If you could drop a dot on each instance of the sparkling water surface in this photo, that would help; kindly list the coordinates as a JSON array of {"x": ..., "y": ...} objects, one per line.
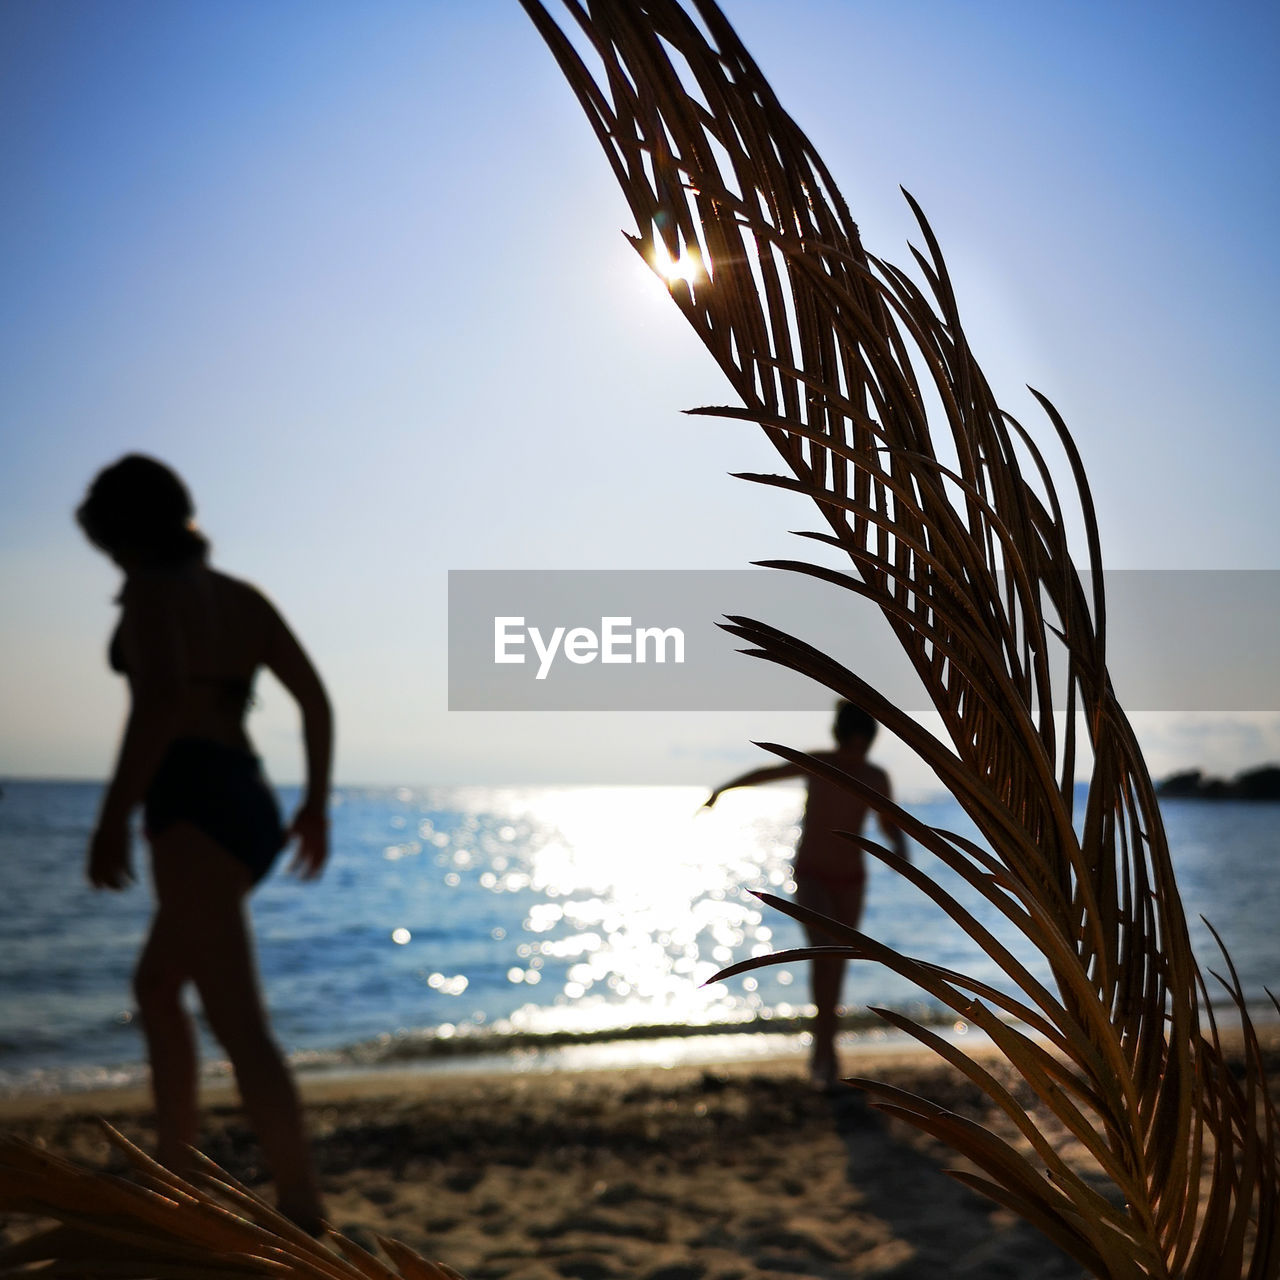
[{"x": 500, "y": 919}]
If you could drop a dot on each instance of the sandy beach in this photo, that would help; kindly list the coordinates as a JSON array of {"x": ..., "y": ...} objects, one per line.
[{"x": 729, "y": 1172}]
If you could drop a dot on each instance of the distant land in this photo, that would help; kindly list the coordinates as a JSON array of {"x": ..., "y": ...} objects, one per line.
[{"x": 1262, "y": 783}]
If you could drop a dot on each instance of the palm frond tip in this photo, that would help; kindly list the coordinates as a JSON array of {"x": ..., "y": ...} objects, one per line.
[{"x": 830, "y": 350}]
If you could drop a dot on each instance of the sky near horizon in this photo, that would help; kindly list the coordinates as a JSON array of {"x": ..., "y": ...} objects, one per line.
[{"x": 356, "y": 272}]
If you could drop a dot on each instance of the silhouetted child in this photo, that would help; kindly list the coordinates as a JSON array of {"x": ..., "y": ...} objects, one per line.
[{"x": 829, "y": 870}]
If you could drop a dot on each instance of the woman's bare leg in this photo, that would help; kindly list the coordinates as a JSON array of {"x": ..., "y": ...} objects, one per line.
[
  {"x": 204, "y": 887},
  {"x": 171, "y": 1041}
]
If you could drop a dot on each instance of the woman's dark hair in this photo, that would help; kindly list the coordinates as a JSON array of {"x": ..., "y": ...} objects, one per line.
[
  {"x": 139, "y": 507},
  {"x": 852, "y": 722}
]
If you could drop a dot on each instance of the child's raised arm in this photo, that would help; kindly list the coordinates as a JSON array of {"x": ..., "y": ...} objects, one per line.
[{"x": 772, "y": 773}]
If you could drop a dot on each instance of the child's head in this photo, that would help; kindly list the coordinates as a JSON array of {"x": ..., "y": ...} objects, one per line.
[{"x": 853, "y": 726}]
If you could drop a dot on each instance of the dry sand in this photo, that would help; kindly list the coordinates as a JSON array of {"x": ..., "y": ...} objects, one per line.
[{"x": 735, "y": 1172}]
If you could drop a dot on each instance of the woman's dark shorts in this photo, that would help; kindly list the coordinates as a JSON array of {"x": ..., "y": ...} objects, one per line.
[{"x": 221, "y": 791}]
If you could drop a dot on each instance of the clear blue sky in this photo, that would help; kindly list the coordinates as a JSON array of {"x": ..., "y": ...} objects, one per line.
[{"x": 356, "y": 271}]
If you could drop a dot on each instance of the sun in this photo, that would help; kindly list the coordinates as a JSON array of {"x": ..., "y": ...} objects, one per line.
[{"x": 687, "y": 267}]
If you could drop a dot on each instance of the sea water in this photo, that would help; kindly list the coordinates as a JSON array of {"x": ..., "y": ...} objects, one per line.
[{"x": 456, "y": 922}]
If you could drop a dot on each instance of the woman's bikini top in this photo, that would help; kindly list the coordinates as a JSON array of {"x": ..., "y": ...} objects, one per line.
[{"x": 234, "y": 689}]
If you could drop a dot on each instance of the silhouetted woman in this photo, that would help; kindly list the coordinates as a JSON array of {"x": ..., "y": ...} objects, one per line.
[{"x": 190, "y": 640}]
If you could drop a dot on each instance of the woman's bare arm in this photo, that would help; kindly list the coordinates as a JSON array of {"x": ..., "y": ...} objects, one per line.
[{"x": 288, "y": 662}]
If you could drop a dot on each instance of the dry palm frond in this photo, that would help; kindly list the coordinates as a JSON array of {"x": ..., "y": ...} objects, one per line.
[
  {"x": 962, "y": 545},
  {"x": 206, "y": 1226}
]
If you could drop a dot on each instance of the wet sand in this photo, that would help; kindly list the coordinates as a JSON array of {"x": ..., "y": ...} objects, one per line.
[{"x": 734, "y": 1172}]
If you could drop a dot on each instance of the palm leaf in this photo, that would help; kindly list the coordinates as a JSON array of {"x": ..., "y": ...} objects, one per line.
[
  {"x": 954, "y": 529},
  {"x": 206, "y": 1226}
]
